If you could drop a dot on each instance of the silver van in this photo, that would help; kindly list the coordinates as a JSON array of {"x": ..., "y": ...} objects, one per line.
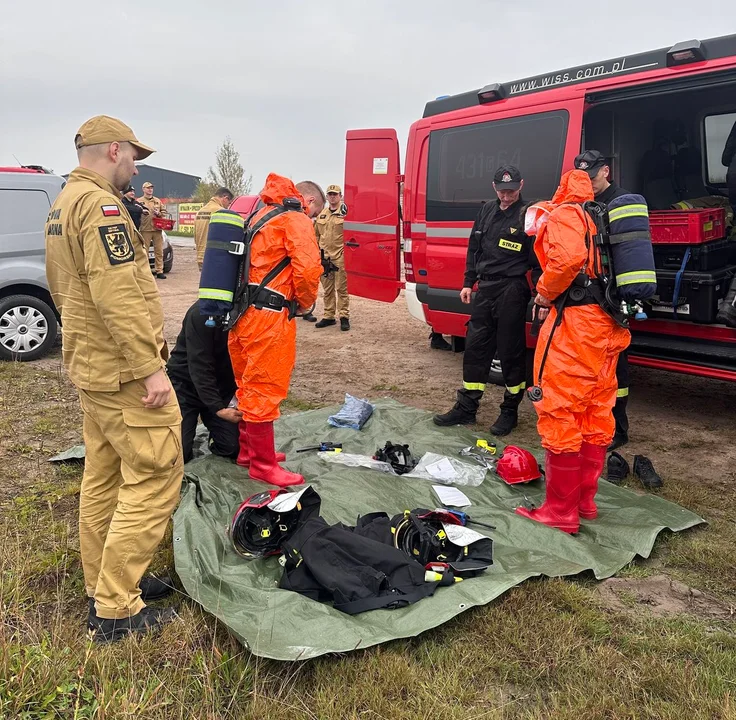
[{"x": 29, "y": 321}]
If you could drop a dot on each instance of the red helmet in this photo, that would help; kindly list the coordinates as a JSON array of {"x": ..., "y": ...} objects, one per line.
[{"x": 517, "y": 465}]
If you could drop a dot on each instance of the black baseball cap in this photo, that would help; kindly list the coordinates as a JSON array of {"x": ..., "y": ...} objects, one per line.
[
  {"x": 591, "y": 161},
  {"x": 507, "y": 177},
  {"x": 128, "y": 189}
]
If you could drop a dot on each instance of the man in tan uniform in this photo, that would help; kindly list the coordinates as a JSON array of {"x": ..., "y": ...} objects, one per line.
[
  {"x": 221, "y": 199},
  {"x": 328, "y": 228},
  {"x": 150, "y": 235},
  {"x": 114, "y": 352}
]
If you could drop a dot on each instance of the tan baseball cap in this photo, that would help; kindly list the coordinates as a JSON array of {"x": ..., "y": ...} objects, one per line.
[
  {"x": 105, "y": 129},
  {"x": 334, "y": 188},
  {"x": 146, "y": 184}
]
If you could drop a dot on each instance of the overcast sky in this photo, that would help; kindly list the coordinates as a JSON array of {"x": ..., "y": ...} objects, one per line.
[{"x": 286, "y": 79}]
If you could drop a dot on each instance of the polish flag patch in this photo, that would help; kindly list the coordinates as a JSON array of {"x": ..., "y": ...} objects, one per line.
[{"x": 110, "y": 210}]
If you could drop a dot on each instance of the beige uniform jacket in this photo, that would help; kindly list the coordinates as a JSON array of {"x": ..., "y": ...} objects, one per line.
[
  {"x": 328, "y": 228},
  {"x": 155, "y": 209},
  {"x": 101, "y": 283},
  {"x": 201, "y": 226}
]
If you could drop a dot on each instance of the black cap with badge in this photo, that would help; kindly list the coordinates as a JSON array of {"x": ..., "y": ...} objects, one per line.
[
  {"x": 507, "y": 177},
  {"x": 591, "y": 161}
]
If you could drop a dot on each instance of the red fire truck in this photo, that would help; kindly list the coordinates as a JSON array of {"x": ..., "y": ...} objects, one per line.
[{"x": 663, "y": 118}]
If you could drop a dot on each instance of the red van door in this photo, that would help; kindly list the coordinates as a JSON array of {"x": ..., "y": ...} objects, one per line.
[{"x": 371, "y": 226}]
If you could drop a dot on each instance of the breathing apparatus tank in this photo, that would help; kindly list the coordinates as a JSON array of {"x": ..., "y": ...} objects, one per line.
[
  {"x": 630, "y": 247},
  {"x": 222, "y": 258}
]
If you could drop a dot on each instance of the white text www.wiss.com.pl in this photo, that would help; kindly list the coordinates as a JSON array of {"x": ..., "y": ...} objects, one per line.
[{"x": 593, "y": 71}]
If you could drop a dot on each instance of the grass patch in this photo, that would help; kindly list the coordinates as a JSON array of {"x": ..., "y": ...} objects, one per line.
[
  {"x": 294, "y": 404},
  {"x": 547, "y": 649}
]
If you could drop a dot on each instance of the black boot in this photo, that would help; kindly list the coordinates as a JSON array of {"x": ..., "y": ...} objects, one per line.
[
  {"x": 309, "y": 317},
  {"x": 622, "y": 424},
  {"x": 152, "y": 588},
  {"x": 509, "y": 417},
  {"x": 463, "y": 411},
  {"x": 326, "y": 322},
  {"x": 147, "y": 620},
  {"x": 437, "y": 342},
  {"x": 644, "y": 470},
  {"x": 617, "y": 469}
]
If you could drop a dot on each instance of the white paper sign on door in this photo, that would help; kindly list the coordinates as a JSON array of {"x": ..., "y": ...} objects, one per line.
[{"x": 380, "y": 166}]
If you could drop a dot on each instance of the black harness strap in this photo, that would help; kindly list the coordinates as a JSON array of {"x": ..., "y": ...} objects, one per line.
[{"x": 251, "y": 295}]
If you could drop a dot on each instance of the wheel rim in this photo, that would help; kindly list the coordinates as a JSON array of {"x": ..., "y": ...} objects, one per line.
[{"x": 22, "y": 329}]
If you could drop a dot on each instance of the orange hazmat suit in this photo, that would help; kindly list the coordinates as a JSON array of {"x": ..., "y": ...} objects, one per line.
[
  {"x": 579, "y": 380},
  {"x": 263, "y": 342}
]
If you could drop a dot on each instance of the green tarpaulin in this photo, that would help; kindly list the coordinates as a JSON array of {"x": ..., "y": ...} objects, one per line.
[{"x": 283, "y": 625}]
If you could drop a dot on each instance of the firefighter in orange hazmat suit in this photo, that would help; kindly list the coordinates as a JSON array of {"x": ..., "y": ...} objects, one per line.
[
  {"x": 579, "y": 376},
  {"x": 263, "y": 342}
]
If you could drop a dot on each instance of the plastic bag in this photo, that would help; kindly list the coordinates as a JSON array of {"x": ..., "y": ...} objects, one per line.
[
  {"x": 353, "y": 414},
  {"x": 352, "y": 460},
  {"x": 447, "y": 471}
]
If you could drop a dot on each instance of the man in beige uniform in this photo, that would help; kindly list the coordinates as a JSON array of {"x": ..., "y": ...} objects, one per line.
[
  {"x": 114, "y": 352},
  {"x": 221, "y": 199},
  {"x": 328, "y": 228},
  {"x": 150, "y": 235}
]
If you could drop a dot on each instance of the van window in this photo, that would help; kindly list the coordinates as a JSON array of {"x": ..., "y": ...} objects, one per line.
[
  {"x": 463, "y": 160},
  {"x": 717, "y": 129},
  {"x": 23, "y": 211}
]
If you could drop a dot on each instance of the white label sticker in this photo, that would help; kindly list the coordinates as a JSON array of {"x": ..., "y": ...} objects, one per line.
[
  {"x": 380, "y": 166},
  {"x": 667, "y": 307},
  {"x": 460, "y": 535}
]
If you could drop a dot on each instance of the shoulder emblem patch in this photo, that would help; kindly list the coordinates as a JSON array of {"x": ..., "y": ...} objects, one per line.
[
  {"x": 512, "y": 230},
  {"x": 110, "y": 210},
  {"x": 117, "y": 245}
]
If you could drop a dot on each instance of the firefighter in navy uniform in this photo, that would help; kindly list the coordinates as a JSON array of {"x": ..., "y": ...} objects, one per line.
[
  {"x": 605, "y": 189},
  {"x": 499, "y": 257}
]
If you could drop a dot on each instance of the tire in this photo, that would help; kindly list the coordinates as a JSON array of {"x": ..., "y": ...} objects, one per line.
[
  {"x": 495, "y": 377},
  {"x": 28, "y": 328}
]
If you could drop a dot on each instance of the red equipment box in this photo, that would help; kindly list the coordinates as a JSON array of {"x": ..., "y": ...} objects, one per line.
[
  {"x": 687, "y": 227},
  {"x": 163, "y": 223}
]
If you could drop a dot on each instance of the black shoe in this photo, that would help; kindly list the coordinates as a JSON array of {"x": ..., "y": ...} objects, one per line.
[
  {"x": 152, "y": 588},
  {"x": 147, "y": 620},
  {"x": 456, "y": 416},
  {"x": 160, "y": 276},
  {"x": 505, "y": 423},
  {"x": 617, "y": 469},
  {"x": 324, "y": 322},
  {"x": 619, "y": 440},
  {"x": 344, "y": 324},
  {"x": 155, "y": 588},
  {"x": 309, "y": 317},
  {"x": 644, "y": 470},
  {"x": 437, "y": 342}
]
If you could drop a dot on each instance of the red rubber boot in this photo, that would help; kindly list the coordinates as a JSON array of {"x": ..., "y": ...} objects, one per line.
[
  {"x": 263, "y": 463},
  {"x": 592, "y": 460},
  {"x": 560, "y": 507},
  {"x": 244, "y": 454}
]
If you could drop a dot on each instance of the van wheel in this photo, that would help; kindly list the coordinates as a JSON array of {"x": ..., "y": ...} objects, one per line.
[
  {"x": 495, "y": 377},
  {"x": 27, "y": 328}
]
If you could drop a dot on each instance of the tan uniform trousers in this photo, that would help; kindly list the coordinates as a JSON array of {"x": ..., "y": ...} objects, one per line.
[
  {"x": 132, "y": 480},
  {"x": 157, "y": 238},
  {"x": 335, "y": 287}
]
